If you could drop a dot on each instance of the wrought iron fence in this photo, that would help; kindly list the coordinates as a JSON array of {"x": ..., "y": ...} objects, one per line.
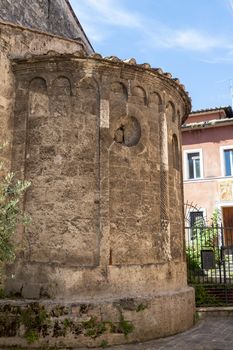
[{"x": 210, "y": 263}]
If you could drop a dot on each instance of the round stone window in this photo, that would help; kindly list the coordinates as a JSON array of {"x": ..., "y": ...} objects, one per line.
[{"x": 129, "y": 132}]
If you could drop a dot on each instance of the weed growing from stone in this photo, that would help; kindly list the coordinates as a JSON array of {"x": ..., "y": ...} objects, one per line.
[
  {"x": 125, "y": 326},
  {"x": 31, "y": 336},
  {"x": 141, "y": 307},
  {"x": 34, "y": 318},
  {"x": 104, "y": 344},
  {"x": 93, "y": 328}
]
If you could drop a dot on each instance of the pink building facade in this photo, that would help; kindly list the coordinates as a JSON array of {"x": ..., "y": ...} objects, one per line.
[{"x": 207, "y": 144}]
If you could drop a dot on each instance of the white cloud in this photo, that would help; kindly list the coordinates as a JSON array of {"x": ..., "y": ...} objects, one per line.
[
  {"x": 231, "y": 4},
  {"x": 95, "y": 35},
  {"x": 219, "y": 60},
  {"x": 113, "y": 14},
  {"x": 99, "y": 16},
  {"x": 191, "y": 39}
]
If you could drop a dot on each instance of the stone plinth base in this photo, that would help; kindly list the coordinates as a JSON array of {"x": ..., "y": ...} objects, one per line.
[{"x": 98, "y": 323}]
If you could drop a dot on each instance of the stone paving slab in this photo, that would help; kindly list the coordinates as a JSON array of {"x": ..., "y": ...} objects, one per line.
[{"x": 208, "y": 334}]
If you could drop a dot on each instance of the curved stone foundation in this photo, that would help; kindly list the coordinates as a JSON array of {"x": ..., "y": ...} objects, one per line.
[
  {"x": 96, "y": 323},
  {"x": 64, "y": 283}
]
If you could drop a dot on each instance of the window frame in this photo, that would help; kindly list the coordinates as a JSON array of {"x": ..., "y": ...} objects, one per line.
[
  {"x": 201, "y": 211},
  {"x": 223, "y": 163},
  {"x": 189, "y": 228},
  {"x": 186, "y": 164}
]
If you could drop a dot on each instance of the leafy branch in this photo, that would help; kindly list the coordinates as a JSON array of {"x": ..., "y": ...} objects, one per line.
[{"x": 11, "y": 191}]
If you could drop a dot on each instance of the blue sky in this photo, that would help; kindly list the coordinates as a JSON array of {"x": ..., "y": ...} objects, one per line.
[{"x": 192, "y": 39}]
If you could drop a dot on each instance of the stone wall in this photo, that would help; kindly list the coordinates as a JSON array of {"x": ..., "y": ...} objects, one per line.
[
  {"x": 52, "y": 16},
  {"x": 100, "y": 143},
  {"x": 19, "y": 42}
]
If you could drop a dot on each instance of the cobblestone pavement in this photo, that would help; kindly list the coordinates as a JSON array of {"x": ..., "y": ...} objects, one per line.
[{"x": 209, "y": 334}]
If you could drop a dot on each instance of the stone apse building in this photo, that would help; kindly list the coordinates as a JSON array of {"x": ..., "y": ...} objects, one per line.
[{"x": 103, "y": 261}]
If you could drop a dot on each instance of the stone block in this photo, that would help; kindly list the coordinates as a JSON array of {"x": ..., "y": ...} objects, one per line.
[{"x": 31, "y": 291}]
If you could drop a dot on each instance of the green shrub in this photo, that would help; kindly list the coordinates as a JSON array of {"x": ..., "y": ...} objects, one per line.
[
  {"x": 11, "y": 191},
  {"x": 203, "y": 298},
  {"x": 125, "y": 327}
]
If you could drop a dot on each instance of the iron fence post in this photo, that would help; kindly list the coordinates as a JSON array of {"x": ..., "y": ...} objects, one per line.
[{"x": 224, "y": 264}]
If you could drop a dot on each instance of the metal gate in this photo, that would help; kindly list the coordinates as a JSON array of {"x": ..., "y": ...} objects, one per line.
[{"x": 209, "y": 252}]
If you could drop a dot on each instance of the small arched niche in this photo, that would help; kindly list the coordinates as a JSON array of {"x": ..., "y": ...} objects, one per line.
[
  {"x": 139, "y": 95},
  {"x": 118, "y": 99},
  {"x": 155, "y": 99},
  {"x": 175, "y": 153},
  {"x": 179, "y": 117},
  {"x": 170, "y": 111},
  {"x": 62, "y": 86},
  {"x": 88, "y": 93},
  {"x": 118, "y": 90},
  {"x": 38, "y": 98}
]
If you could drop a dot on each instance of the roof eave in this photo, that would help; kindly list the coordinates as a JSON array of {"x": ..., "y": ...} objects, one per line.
[{"x": 220, "y": 123}]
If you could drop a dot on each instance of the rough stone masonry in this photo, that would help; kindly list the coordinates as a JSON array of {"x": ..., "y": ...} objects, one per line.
[{"x": 103, "y": 261}]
